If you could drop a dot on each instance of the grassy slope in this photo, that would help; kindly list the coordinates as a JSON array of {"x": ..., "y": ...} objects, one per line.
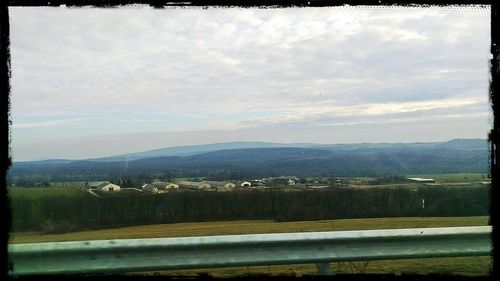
[{"x": 463, "y": 266}]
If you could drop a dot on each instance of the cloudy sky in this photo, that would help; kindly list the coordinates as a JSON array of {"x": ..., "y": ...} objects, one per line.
[{"x": 90, "y": 82}]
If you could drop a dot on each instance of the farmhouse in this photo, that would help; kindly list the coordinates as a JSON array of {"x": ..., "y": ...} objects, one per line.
[
  {"x": 421, "y": 180},
  {"x": 245, "y": 184},
  {"x": 221, "y": 186},
  {"x": 195, "y": 185},
  {"x": 166, "y": 185},
  {"x": 95, "y": 184},
  {"x": 103, "y": 186},
  {"x": 150, "y": 188},
  {"x": 281, "y": 181},
  {"x": 110, "y": 187},
  {"x": 204, "y": 185},
  {"x": 256, "y": 182}
]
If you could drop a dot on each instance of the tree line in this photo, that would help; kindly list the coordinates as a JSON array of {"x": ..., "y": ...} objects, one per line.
[{"x": 63, "y": 214}]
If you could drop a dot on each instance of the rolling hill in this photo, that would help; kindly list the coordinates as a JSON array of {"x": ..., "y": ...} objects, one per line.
[{"x": 250, "y": 160}]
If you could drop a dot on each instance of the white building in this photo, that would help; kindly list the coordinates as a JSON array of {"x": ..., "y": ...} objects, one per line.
[
  {"x": 204, "y": 185},
  {"x": 109, "y": 187},
  {"x": 422, "y": 180},
  {"x": 246, "y": 184},
  {"x": 95, "y": 184},
  {"x": 150, "y": 188},
  {"x": 195, "y": 185},
  {"x": 318, "y": 186},
  {"x": 103, "y": 186},
  {"x": 222, "y": 185},
  {"x": 166, "y": 185}
]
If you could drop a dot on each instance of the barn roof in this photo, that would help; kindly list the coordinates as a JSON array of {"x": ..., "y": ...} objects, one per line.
[
  {"x": 162, "y": 183},
  {"x": 98, "y": 183},
  {"x": 218, "y": 183},
  {"x": 421, "y": 179}
]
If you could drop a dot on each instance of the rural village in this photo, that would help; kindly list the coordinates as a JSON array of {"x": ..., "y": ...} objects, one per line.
[{"x": 283, "y": 182}]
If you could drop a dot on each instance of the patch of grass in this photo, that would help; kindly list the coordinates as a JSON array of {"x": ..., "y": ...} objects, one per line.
[{"x": 468, "y": 266}]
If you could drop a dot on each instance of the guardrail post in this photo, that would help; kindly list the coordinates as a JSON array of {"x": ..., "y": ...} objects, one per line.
[{"x": 324, "y": 268}]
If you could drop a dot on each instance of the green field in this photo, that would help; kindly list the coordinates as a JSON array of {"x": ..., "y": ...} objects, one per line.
[
  {"x": 412, "y": 186},
  {"x": 463, "y": 266},
  {"x": 42, "y": 193},
  {"x": 67, "y": 183},
  {"x": 46, "y": 192},
  {"x": 454, "y": 178},
  {"x": 415, "y": 186}
]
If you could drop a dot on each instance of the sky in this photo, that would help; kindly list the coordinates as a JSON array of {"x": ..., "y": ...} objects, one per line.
[{"x": 90, "y": 82}]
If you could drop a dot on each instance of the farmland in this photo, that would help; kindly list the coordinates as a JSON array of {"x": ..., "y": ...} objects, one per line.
[
  {"x": 41, "y": 193},
  {"x": 455, "y": 178},
  {"x": 69, "y": 214},
  {"x": 246, "y": 227},
  {"x": 463, "y": 266}
]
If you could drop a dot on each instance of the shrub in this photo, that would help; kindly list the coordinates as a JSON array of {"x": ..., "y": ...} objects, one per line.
[{"x": 51, "y": 227}]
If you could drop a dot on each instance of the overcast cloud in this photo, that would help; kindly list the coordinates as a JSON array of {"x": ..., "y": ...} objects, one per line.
[{"x": 99, "y": 82}]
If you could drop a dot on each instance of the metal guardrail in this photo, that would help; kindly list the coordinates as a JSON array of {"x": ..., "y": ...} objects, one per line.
[{"x": 135, "y": 255}]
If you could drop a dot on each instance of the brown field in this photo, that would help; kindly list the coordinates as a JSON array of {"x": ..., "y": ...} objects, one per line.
[{"x": 246, "y": 227}]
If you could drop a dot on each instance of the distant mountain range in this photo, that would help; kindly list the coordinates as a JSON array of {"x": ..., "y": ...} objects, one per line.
[
  {"x": 259, "y": 159},
  {"x": 198, "y": 149},
  {"x": 460, "y": 144}
]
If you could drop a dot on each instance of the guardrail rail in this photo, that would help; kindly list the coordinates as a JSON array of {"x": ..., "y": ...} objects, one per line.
[{"x": 136, "y": 255}]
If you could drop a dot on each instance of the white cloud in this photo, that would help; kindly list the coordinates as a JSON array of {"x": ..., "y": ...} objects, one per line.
[
  {"x": 54, "y": 123},
  {"x": 310, "y": 66},
  {"x": 321, "y": 114}
]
